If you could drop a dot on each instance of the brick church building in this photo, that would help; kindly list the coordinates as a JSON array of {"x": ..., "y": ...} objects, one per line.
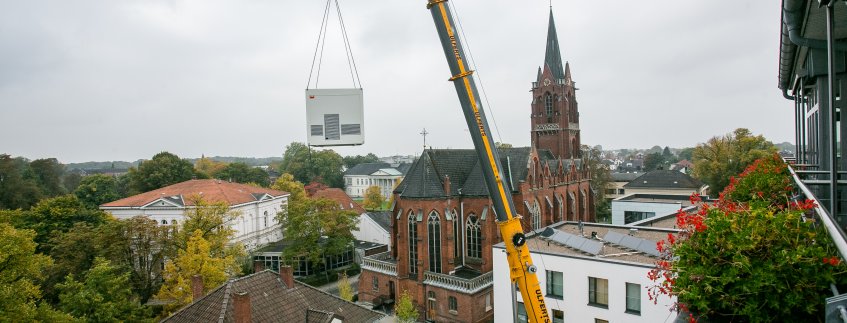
[{"x": 443, "y": 224}]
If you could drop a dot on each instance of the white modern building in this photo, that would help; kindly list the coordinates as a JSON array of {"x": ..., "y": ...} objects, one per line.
[
  {"x": 588, "y": 273},
  {"x": 257, "y": 207},
  {"x": 358, "y": 178},
  {"x": 636, "y": 207}
]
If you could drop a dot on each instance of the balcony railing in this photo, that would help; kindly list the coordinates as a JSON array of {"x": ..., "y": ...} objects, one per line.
[
  {"x": 380, "y": 263},
  {"x": 459, "y": 284},
  {"x": 832, "y": 228}
]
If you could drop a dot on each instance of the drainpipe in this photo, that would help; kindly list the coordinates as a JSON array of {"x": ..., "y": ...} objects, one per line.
[{"x": 792, "y": 11}]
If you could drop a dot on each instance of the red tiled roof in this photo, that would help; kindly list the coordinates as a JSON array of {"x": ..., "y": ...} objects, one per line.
[
  {"x": 272, "y": 301},
  {"x": 338, "y": 195},
  {"x": 212, "y": 190}
]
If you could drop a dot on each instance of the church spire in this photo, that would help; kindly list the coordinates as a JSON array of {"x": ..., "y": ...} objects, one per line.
[{"x": 553, "y": 57}]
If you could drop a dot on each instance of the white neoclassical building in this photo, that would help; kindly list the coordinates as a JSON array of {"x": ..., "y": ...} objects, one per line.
[
  {"x": 257, "y": 207},
  {"x": 358, "y": 178}
]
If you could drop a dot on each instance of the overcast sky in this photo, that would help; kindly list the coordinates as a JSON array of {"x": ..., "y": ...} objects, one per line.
[{"x": 123, "y": 80}]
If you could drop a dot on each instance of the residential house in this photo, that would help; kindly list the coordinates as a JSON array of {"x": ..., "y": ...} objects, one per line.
[
  {"x": 443, "y": 223},
  {"x": 268, "y": 296},
  {"x": 257, "y": 207},
  {"x": 666, "y": 182},
  {"x": 615, "y": 187}
]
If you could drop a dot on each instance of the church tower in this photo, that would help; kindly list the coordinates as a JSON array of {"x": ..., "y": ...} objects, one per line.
[{"x": 555, "y": 113}]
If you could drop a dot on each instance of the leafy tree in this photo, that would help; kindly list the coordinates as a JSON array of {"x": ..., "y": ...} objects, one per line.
[
  {"x": 309, "y": 165},
  {"x": 287, "y": 183},
  {"x": 405, "y": 309},
  {"x": 55, "y": 216},
  {"x": 653, "y": 161},
  {"x": 141, "y": 245},
  {"x": 686, "y": 153},
  {"x": 98, "y": 189},
  {"x": 345, "y": 290},
  {"x": 197, "y": 258},
  {"x": 209, "y": 167},
  {"x": 17, "y": 191},
  {"x": 242, "y": 173},
  {"x": 654, "y": 149},
  {"x": 600, "y": 179},
  {"x": 163, "y": 170},
  {"x": 71, "y": 181},
  {"x": 666, "y": 153},
  {"x": 103, "y": 296},
  {"x": 751, "y": 257},
  {"x": 722, "y": 157},
  {"x": 373, "y": 198},
  {"x": 48, "y": 175},
  {"x": 20, "y": 272},
  {"x": 316, "y": 228},
  {"x": 212, "y": 221},
  {"x": 73, "y": 253},
  {"x": 350, "y": 161}
]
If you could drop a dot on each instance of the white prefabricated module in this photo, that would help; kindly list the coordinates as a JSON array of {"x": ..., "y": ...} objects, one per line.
[{"x": 335, "y": 117}]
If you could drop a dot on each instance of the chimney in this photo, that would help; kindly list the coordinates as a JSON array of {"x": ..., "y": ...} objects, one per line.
[
  {"x": 243, "y": 309},
  {"x": 258, "y": 266},
  {"x": 286, "y": 273},
  {"x": 447, "y": 185},
  {"x": 196, "y": 287}
]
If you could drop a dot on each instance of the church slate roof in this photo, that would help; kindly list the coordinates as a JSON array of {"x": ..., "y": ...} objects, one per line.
[
  {"x": 664, "y": 179},
  {"x": 272, "y": 301},
  {"x": 382, "y": 218},
  {"x": 426, "y": 176},
  {"x": 553, "y": 56}
]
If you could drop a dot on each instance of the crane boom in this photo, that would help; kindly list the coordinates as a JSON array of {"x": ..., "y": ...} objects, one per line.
[{"x": 521, "y": 269}]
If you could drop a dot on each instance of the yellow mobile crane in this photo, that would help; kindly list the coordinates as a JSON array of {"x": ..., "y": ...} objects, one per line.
[{"x": 521, "y": 269}]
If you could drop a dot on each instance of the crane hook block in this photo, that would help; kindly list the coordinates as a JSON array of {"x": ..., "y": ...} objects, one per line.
[{"x": 518, "y": 239}]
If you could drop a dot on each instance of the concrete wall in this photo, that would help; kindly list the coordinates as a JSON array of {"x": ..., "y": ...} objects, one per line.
[{"x": 576, "y": 271}]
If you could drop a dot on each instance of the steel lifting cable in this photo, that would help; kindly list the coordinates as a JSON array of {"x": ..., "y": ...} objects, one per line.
[{"x": 321, "y": 43}]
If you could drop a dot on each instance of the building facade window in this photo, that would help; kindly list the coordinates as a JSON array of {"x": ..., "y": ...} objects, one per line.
[
  {"x": 432, "y": 303},
  {"x": 555, "y": 286},
  {"x": 548, "y": 106},
  {"x": 633, "y": 216},
  {"x": 266, "y": 219},
  {"x": 453, "y": 305},
  {"x": 413, "y": 244},
  {"x": 164, "y": 221},
  {"x": 522, "y": 317},
  {"x": 474, "y": 235},
  {"x": 633, "y": 298},
  {"x": 488, "y": 302},
  {"x": 434, "y": 234},
  {"x": 558, "y": 316},
  {"x": 598, "y": 292},
  {"x": 375, "y": 283}
]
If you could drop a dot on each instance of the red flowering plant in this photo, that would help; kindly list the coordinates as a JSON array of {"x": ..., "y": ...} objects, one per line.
[{"x": 752, "y": 256}]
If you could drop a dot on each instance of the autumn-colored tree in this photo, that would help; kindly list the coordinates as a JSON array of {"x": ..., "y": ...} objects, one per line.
[
  {"x": 723, "y": 157},
  {"x": 753, "y": 256},
  {"x": 287, "y": 183},
  {"x": 345, "y": 290},
  {"x": 405, "y": 309},
  {"x": 197, "y": 258},
  {"x": 209, "y": 167},
  {"x": 103, "y": 296},
  {"x": 373, "y": 198},
  {"x": 213, "y": 221}
]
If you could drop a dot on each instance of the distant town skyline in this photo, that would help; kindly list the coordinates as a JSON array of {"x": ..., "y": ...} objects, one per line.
[{"x": 121, "y": 81}]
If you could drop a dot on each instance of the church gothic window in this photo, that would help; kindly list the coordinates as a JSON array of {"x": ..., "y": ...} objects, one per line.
[
  {"x": 535, "y": 216},
  {"x": 548, "y": 106},
  {"x": 413, "y": 243},
  {"x": 434, "y": 232},
  {"x": 474, "y": 236}
]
